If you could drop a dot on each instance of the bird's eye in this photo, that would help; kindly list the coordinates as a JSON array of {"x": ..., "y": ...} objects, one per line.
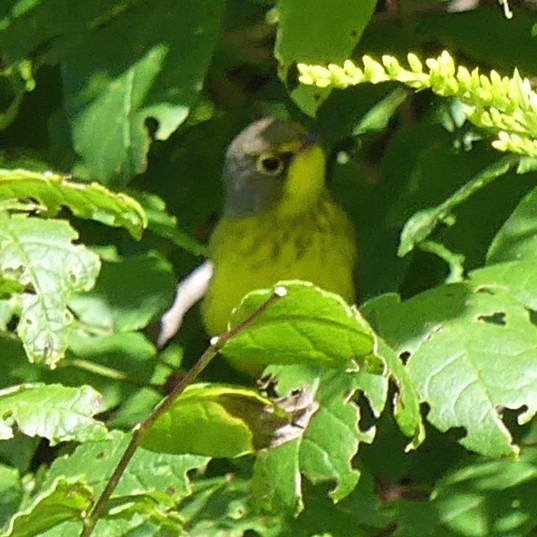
[{"x": 270, "y": 164}]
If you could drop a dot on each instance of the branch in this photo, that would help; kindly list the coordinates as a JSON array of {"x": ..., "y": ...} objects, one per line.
[{"x": 216, "y": 345}]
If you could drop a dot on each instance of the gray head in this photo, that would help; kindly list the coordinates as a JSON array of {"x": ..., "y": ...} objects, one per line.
[{"x": 257, "y": 162}]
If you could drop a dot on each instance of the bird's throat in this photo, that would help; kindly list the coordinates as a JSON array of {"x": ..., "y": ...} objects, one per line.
[{"x": 304, "y": 183}]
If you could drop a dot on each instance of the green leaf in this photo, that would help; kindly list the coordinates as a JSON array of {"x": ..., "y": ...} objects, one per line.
[
  {"x": 7, "y": 308},
  {"x": 378, "y": 117},
  {"x": 11, "y": 492},
  {"x": 165, "y": 225},
  {"x": 328, "y": 446},
  {"x": 221, "y": 421},
  {"x": 517, "y": 238},
  {"x": 40, "y": 254},
  {"x": 52, "y": 411},
  {"x": 122, "y": 367},
  {"x": 162, "y": 476},
  {"x": 127, "y": 354},
  {"x": 53, "y": 192},
  {"x": 67, "y": 499},
  {"x": 318, "y": 33},
  {"x": 469, "y": 350},
  {"x": 306, "y": 326},
  {"x": 406, "y": 400},
  {"x": 147, "y": 495},
  {"x": 482, "y": 498},
  {"x": 423, "y": 223},
  {"x": 277, "y": 482},
  {"x": 129, "y": 293},
  {"x": 142, "y": 510},
  {"x": 9, "y": 285},
  {"x": 518, "y": 278},
  {"x": 454, "y": 261},
  {"x": 125, "y": 72},
  {"x": 360, "y": 513},
  {"x": 219, "y": 507},
  {"x": 41, "y": 26}
]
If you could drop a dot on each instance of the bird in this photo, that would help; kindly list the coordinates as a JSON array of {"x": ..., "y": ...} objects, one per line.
[{"x": 279, "y": 222}]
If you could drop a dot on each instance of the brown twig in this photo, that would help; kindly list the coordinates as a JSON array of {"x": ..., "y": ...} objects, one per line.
[{"x": 217, "y": 343}]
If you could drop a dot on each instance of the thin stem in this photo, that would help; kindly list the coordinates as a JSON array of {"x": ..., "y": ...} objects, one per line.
[{"x": 217, "y": 343}]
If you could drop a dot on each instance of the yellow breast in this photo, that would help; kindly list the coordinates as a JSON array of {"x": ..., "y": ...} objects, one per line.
[{"x": 255, "y": 252}]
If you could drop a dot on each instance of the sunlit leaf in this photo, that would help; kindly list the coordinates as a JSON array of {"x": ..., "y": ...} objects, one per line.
[
  {"x": 51, "y": 411},
  {"x": 222, "y": 421},
  {"x": 306, "y": 326},
  {"x": 66, "y": 500},
  {"x": 53, "y": 192},
  {"x": 470, "y": 350},
  {"x": 40, "y": 255}
]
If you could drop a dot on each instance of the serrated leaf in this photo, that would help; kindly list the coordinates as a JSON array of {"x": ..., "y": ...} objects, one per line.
[
  {"x": 333, "y": 436},
  {"x": 162, "y": 476},
  {"x": 470, "y": 351},
  {"x": 93, "y": 201},
  {"x": 66, "y": 499},
  {"x": 306, "y": 326},
  {"x": 406, "y": 400},
  {"x": 324, "y": 452},
  {"x": 218, "y": 420},
  {"x": 129, "y": 293},
  {"x": 517, "y": 238},
  {"x": 52, "y": 411},
  {"x": 41, "y": 255}
]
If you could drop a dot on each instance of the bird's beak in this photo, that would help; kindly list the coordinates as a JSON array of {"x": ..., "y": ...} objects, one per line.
[
  {"x": 309, "y": 139},
  {"x": 297, "y": 146}
]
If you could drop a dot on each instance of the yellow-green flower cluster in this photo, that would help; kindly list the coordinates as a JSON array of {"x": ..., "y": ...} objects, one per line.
[
  {"x": 515, "y": 144},
  {"x": 502, "y": 104}
]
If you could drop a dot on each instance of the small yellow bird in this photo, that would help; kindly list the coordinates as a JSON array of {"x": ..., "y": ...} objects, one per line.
[{"x": 279, "y": 221}]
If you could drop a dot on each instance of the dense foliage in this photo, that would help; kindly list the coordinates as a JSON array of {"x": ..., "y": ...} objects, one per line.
[{"x": 412, "y": 415}]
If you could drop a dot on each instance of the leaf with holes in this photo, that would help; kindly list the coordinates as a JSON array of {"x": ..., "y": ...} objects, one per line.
[
  {"x": 41, "y": 256},
  {"x": 518, "y": 278},
  {"x": 328, "y": 446},
  {"x": 326, "y": 450},
  {"x": 471, "y": 351}
]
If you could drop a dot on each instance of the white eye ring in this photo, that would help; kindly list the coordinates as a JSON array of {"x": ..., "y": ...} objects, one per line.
[{"x": 270, "y": 164}]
